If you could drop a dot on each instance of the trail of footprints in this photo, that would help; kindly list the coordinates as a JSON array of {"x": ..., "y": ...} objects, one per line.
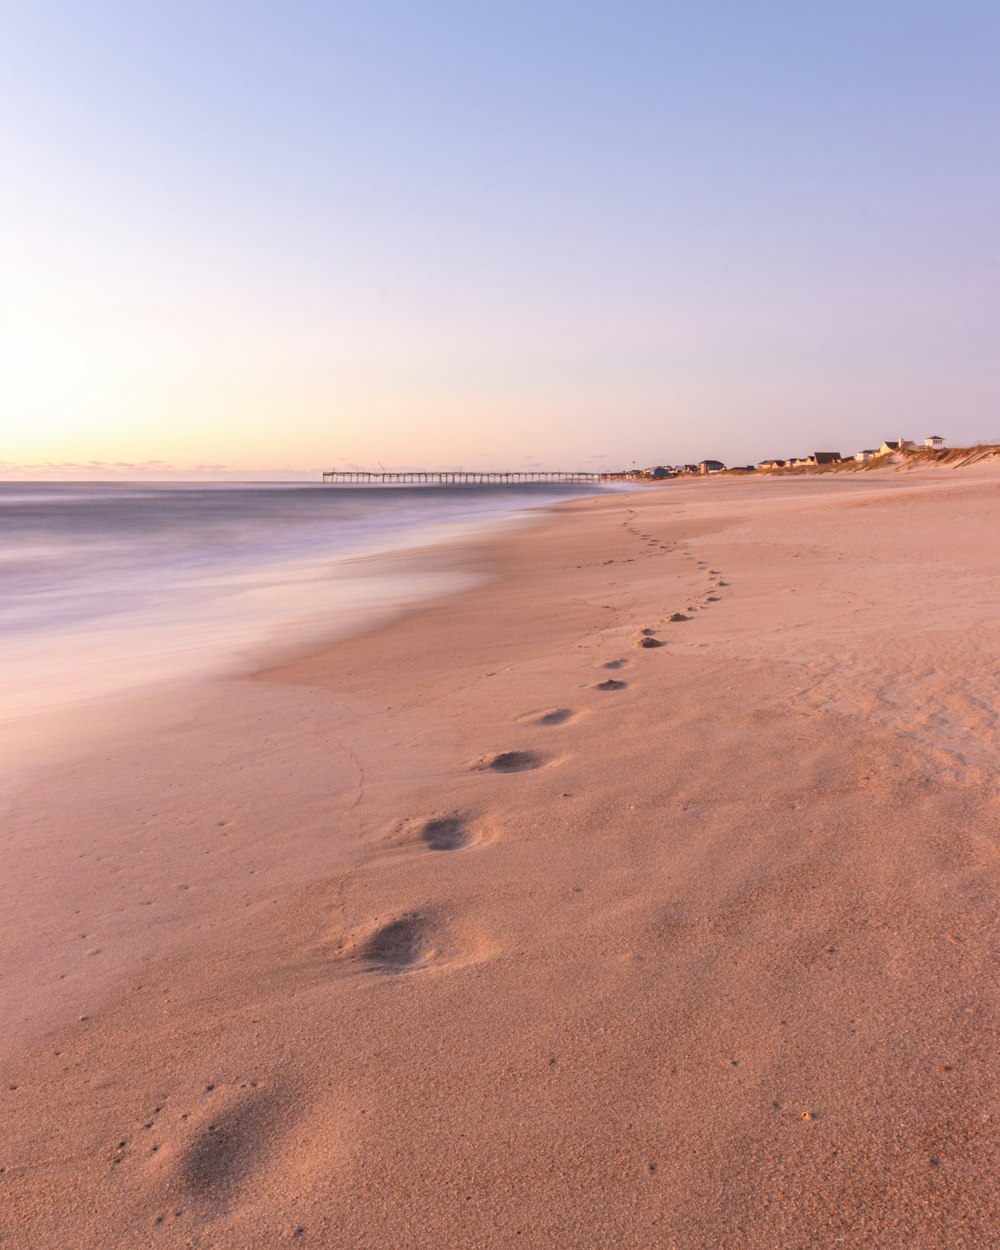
[
  {"x": 414, "y": 940},
  {"x": 210, "y": 1147}
]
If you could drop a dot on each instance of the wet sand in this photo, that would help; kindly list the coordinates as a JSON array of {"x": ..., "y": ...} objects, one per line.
[{"x": 645, "y": 895}]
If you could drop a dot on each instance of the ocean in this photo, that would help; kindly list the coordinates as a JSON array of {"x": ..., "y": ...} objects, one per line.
[{"x": 111, "y": 589}]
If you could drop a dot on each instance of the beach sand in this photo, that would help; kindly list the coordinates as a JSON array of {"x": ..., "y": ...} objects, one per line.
[{"x": 539, "y": 918}]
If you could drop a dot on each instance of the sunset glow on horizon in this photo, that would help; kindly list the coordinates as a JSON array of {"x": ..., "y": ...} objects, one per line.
[{"x": 263, "y": 240}]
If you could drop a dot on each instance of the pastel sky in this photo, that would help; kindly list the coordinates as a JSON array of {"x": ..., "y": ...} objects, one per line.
[{"x": 274, "y": 237}]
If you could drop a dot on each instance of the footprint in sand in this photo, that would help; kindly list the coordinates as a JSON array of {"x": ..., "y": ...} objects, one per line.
[
  {"x": 211, "y": 1151},
  {"x": 399, "y": 945},
  {"x": 446, "y": 833},
  {"x": 611, "y": 684},
  {"x": 679, "y": 616},
  {"x": 615, "y": 664},
  {"x": 414, "y": 941},
  {"x": 441, "y": 831},
  {"x": 650, "y": 642},
  {"x": 512, "y": 762},
  {"x": 558, "y": 716}
]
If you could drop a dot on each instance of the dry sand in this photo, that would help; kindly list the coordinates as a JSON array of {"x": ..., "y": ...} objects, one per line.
[{"x": 495, "y": 927}]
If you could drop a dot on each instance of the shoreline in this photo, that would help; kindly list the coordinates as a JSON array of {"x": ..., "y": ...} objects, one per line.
[{"x": 434, "y": 936}]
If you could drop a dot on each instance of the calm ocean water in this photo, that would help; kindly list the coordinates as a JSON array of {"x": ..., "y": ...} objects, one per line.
[{"x": 105, "y": 588}]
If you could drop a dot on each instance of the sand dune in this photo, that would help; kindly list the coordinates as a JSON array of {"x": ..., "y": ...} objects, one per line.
[{"x": 500, "y": 926}]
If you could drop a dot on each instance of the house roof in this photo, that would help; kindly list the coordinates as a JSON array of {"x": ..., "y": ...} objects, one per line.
[{"x": 937, "y": 437}]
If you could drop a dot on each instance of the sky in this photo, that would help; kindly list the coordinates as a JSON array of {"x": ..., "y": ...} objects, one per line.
[{"x": 269, "y": 238}]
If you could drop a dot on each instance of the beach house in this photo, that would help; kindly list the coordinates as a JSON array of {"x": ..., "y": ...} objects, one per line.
[
  {"x": 710, "y": 466},
  {"x": 934, "y": 441}
]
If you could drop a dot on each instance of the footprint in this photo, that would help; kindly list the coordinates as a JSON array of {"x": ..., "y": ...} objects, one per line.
[
  {"x": 513, "y": 762},
  {"x": 615, "y": 664},
  {"x": 422, "y": 940},
  {"x": 399, "y": 945},
  {"x": 558, "y": 716},
  {"x": 650, "y": 642},
  {"x": 678, "y": 616},
  {"x": 611, "y": 684},
  {"x": 446, "y": 833}
]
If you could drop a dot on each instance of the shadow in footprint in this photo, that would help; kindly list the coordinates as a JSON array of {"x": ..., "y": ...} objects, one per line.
[
  {"x": 558, "y": 716},
  {"x": 228, "y": 1149},
  {"x": 398, "y": 946},
  {"x": 446, "y": 833},
  {"x": 615, "y": 664},
  {"x": 611, "y": 684},
  {"x": 650, "y": 642},
  {"x": 513, "y": 762}
]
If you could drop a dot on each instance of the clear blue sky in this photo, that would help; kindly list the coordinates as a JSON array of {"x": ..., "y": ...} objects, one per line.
[{"x": 269, "y": 236}]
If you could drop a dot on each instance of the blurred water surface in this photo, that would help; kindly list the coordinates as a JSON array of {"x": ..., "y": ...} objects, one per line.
[{"x": 106, "y": 588}]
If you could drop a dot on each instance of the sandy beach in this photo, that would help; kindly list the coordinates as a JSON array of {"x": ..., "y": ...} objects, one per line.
[{"x": 644, "y": 895}]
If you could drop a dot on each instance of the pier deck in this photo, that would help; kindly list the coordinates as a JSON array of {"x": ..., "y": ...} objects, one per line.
[{"x": 456, "y": 476}]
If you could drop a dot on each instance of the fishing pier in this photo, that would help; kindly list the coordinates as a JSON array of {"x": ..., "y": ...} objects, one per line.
[{"x": 455, "y": 477}]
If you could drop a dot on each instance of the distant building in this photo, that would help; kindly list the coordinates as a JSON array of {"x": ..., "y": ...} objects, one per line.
[
  {"x": 689, "y": 468},
  {"x": 772, "y": 464},
  {"x": 934, "y": 440},
  {"x": 710, "y": 466},
  {"x": 825, "y": 457},
  {"x": 869, "y": 453},
  {"x": 901, "y": 444}
]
